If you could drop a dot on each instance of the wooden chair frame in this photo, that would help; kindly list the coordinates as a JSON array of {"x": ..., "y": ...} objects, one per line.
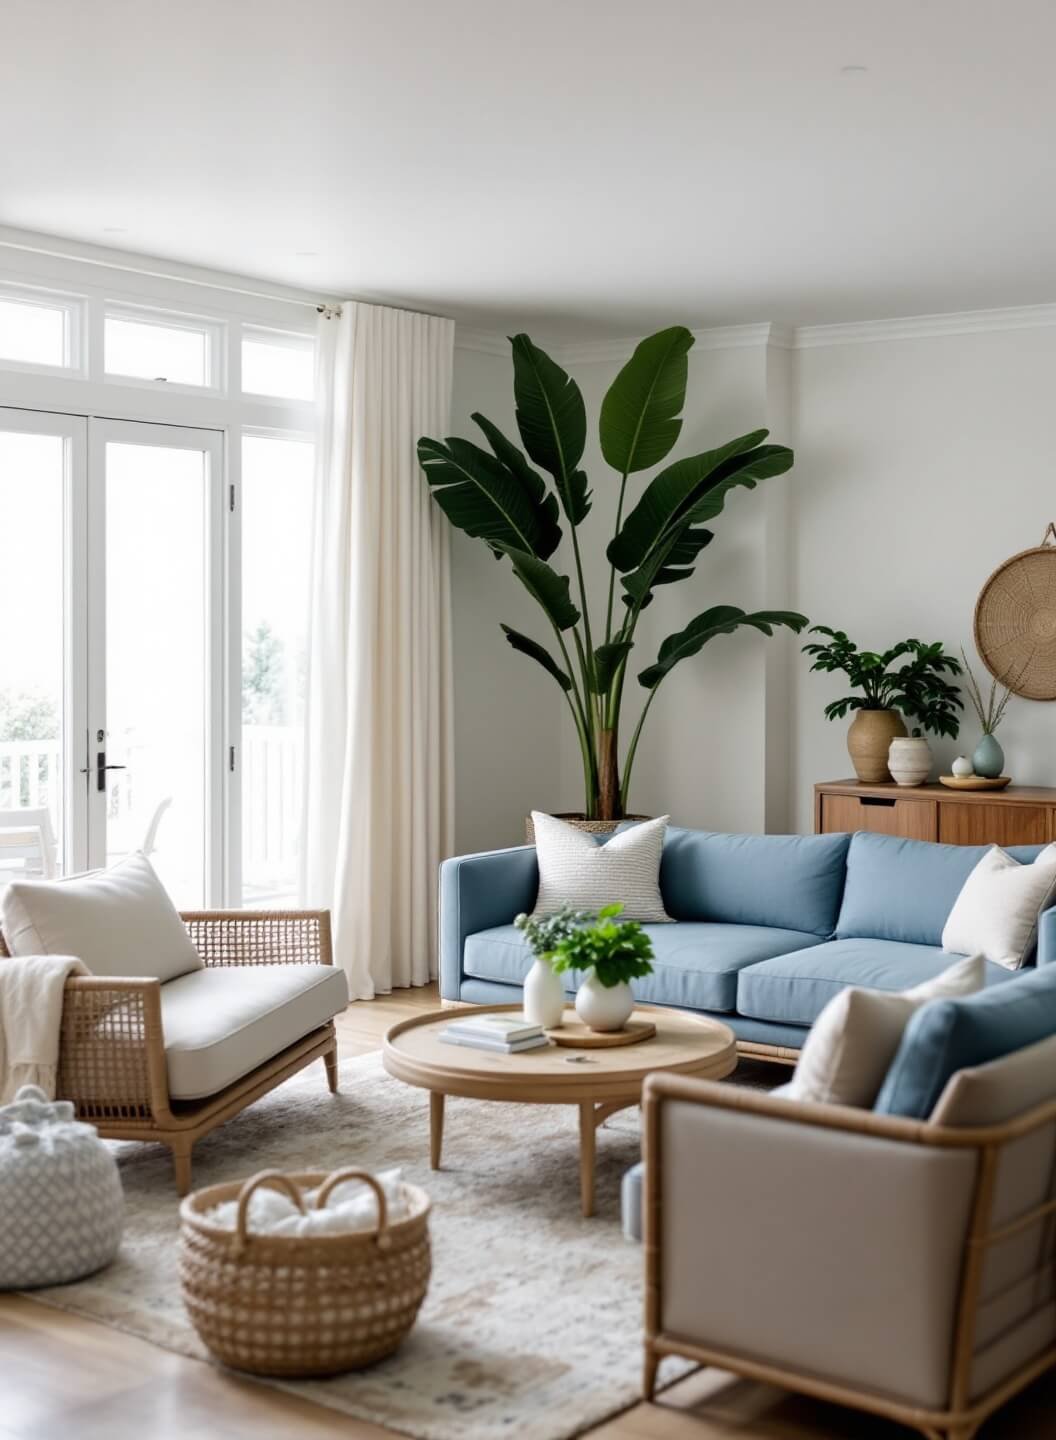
[
  {"x": 962, "y": 1417},
  {"x": 112, "y": 1049}
]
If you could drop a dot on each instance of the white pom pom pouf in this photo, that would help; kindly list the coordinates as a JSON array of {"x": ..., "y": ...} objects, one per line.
[{"x": 61, "y": 1203}]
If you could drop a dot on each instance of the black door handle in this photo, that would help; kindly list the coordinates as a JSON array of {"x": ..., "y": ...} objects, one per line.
[{"x": 101, "y": 767}]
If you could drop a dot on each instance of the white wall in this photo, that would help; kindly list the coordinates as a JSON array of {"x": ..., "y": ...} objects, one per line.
[{"x": 922, "y": 464}]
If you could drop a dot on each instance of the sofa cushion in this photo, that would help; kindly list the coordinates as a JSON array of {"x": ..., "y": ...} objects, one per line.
[
  {"x": 794, "y": 989},
  {"x": 222, "y": 1022},
  {"x": 952, "y": 1035},
  {"x": 118, "y": 921},
  {"x": 1001, "y": 1089},
  {"x": 996, "y": 913},
  {"x": 694, "y": 965},
  {"x": 904, "y": 890},
  {"x": 788, "y": 882}
]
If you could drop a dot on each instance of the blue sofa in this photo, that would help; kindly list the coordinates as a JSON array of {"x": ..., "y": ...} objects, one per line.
[{"x": 768, "y": 927}]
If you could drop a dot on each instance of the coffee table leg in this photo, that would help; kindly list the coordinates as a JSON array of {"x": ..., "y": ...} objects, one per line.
[
  {"x": 587, "y": 1124},
  {"x": 436, "y": 1127}
]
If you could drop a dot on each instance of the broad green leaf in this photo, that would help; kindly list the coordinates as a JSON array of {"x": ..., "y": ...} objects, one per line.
[
  {"x": 545, "y": 585},
  {"x": 641, "y": 413},
  {"x": 553, "y": 422},
  {"x": 719, "y": 620},
  {"x": 669, "y": 562},
  {"x": 488, "y": 500},
  {"x": 607, "y": 659},
  {"x": 527, "y": 646}
]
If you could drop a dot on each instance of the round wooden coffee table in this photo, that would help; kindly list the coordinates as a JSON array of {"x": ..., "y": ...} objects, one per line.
[{"x": 599, "y": 1082}]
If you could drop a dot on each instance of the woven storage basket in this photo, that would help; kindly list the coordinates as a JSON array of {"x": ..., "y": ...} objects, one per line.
[
  {"x": 301, "y": 1306},
  {"x": 591, "y": 827}
]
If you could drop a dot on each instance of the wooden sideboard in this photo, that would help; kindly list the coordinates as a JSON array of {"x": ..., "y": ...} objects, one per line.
[{"x": 1019, "y": 815}]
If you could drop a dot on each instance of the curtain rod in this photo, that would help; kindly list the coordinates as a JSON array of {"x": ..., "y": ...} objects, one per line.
[{"x": 58, "y": 254}]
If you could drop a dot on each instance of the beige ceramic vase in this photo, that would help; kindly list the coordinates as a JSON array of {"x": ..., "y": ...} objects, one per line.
[{"x": 869, "y": 740}]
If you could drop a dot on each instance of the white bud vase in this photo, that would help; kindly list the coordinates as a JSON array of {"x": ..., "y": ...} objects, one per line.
[
  {"x": 544, "y": 996},
  {"x": 604, "y": 1007}
]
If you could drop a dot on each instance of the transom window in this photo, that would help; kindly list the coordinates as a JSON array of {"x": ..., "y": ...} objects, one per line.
[{"x": 145, "y": 347}]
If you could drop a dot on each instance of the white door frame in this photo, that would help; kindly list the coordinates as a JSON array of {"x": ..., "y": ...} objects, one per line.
[
  {"x": 210, "y": 443},
  {"x": 73, "y": 430}
]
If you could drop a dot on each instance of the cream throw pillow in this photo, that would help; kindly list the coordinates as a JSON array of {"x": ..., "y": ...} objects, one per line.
[
  {"x": 574, "y": 870},
  {"x": 119, "y": 921},
  {"x": 853, "y": 1041},
  {"x": 996, "y": 912}
]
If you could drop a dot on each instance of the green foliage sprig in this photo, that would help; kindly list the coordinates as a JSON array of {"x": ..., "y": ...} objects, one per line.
[
  {"x": 545, "y": 934},
  {"x": 615, "y": 951},
  {"x": 916, "y": 686}
]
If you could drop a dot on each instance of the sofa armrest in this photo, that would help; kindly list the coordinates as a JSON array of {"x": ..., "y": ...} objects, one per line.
[
  {"x": 478, "y": 892},
  {"x": 1047, "y": 936},
  {"x": 809, "y": 1239},
  {"x": 261, "y": 937},
  {"x": 112, "y": 1050}
]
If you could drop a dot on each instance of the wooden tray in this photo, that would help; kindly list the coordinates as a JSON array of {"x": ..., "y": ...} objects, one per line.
[
  {"x": 974, "y": 782},
  {"x": 575, "y": 1034}
]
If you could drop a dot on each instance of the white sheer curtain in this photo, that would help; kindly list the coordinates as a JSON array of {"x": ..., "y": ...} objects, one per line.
[{"x": 378, "y": 801}]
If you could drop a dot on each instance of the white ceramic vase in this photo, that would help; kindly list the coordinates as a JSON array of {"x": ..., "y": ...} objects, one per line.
[
  {"x": 909, "y": 760},
  {"x": 604, "y": 1007},
  {"x": 962, "y": 767},
  {"x": 544, "y": 996}
]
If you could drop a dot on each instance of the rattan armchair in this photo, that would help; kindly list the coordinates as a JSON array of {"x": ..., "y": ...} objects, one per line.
[{"x": 112, "y": 1062}]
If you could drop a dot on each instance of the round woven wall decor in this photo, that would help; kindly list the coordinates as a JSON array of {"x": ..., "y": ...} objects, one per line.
[{"x": 1015, "y": 621}]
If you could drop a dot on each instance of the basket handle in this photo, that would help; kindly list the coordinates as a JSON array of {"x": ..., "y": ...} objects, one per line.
[
  {"x": 1050, "y": 532},
  {"x": 338, "y": 1177},
  {"x": 278, "y": 1181}
]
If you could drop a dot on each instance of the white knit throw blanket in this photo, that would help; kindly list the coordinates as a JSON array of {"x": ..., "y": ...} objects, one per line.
[{"x": 31, "y": 989}]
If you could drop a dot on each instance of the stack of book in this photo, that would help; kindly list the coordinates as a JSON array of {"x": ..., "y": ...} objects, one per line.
[{"x": 507, "y": 1034}]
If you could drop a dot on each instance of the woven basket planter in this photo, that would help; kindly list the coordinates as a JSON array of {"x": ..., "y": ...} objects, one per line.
[
  {"x": 302, "y": 1305},
  {"x": 592, "y": 827}
]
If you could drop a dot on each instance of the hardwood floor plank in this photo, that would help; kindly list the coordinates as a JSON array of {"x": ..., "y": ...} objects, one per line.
[{"x": 65, "y": 1376}]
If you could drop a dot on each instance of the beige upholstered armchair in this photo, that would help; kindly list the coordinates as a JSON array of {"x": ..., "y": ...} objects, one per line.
[
  {"x": 144, "y": 1059},
  {"x": 903, "y": 1267}
]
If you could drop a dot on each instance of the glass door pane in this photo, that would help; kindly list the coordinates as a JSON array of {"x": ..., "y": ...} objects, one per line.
[
  {"x": 39, "y": 741},
  {"x": 157, "y": 750}
]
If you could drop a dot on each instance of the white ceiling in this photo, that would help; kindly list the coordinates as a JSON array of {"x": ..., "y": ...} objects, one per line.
[{"x": 587, "y": 167}]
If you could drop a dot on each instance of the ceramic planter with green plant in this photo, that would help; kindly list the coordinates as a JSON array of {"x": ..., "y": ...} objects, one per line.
[
  {"x": 988, "y": 758},
  {"x": 497, "y": 495},
  {"x": 544, "y": 993},
  {"x": 905, "y": 683},
  {"x": 610, "y": 954}
]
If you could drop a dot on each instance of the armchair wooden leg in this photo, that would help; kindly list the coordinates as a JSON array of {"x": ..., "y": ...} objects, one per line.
[
  {"x": 181, "y": 1159},
  {"x": 649, "y": 1369},
  {"x": 330, "y": 1061}
]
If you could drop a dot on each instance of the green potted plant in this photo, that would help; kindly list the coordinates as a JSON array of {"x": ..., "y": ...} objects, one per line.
[
  {"x": 906, "y": 681},
  {"x": 497, "y": 495},
  {"x": 544, "y": 993},
  {"x": 611, "y": 954}
]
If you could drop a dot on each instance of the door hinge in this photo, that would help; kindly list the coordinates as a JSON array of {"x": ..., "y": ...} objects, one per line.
[
  {"x": 231, "y": 757},
  {"x": 231, "y": 497}
]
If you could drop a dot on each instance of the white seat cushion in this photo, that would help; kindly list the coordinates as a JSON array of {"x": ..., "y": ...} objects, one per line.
[
  {"x": 222, "y": 1022},
  {"x": 118, "y": 921}
]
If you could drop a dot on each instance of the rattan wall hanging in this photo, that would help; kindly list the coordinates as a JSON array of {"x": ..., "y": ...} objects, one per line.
[{"x": 1015, "y": 621}]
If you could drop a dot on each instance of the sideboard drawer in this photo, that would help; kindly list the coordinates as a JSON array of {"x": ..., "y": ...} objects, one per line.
[
  {"x": 885, "y": 815},
  {"x": 982, "y": 824}
]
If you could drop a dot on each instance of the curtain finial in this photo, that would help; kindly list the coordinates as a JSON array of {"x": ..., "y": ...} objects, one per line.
[{"x": 328, "y": 311}]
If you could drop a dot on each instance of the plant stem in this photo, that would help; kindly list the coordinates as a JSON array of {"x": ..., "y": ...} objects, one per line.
[
  {"x": 632, "y": 748},
  {"x": 612, "y": 568}
]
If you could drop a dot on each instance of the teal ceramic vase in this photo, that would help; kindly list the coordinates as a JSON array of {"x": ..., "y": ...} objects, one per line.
[{"x": 988, "y": 759}]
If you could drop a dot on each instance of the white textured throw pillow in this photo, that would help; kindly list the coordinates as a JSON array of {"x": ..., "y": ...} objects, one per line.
[
  {"x": 574, "y": 870},
  {"x": 119, "y": 921},
  {"x": 853, "y": 1041},
  {"x": 996, "y": 912}
]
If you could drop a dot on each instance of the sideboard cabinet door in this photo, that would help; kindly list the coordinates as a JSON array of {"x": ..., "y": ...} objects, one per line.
[{"x": 982, "y": 824}]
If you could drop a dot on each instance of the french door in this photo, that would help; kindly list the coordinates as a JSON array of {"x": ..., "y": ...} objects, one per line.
[{"x": 112, "y": 647}]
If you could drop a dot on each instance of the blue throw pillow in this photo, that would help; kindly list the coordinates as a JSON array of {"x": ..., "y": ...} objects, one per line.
[{"x": 950, "y": 1035}]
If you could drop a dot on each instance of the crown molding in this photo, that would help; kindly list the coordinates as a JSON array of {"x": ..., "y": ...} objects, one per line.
[{"x": 482, "y": 342}]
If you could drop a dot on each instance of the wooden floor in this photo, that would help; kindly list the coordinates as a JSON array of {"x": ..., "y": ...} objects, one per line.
[{"x": 66, "y": 1377}]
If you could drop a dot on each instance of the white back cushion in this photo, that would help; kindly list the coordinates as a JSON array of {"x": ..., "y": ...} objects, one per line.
[
  {"x": 574, "y": 870},
  {"x": 853, "y": 1041},
  {"x": 996, "y": 913},
  {"x": 119, "y": 921}
]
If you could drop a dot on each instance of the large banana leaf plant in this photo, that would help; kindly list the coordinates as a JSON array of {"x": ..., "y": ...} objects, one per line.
[{"x": 497, "y": 495}]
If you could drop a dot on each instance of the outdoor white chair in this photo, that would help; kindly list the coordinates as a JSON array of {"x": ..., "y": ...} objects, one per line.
[{"x": 27, "y": 841}]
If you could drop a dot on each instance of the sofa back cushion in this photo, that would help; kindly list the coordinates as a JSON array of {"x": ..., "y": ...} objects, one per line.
[
  {"x": 905, "y": 889},
  {"x": 118, "y": 921},
  {"x": 951, "y": 1035},
  {"x": 790, "y": 882}
]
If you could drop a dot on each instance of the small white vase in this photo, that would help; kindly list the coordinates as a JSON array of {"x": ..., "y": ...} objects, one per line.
[
  {"x": 544, "y": 996},
  {"x": 909, "y": 760},
  {"x": 962, "y": 767},
  {"x": 604, "y": 1007}
]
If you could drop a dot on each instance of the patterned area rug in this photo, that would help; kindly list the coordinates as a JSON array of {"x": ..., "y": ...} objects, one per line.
[{"x": 532, "y": 1324}]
